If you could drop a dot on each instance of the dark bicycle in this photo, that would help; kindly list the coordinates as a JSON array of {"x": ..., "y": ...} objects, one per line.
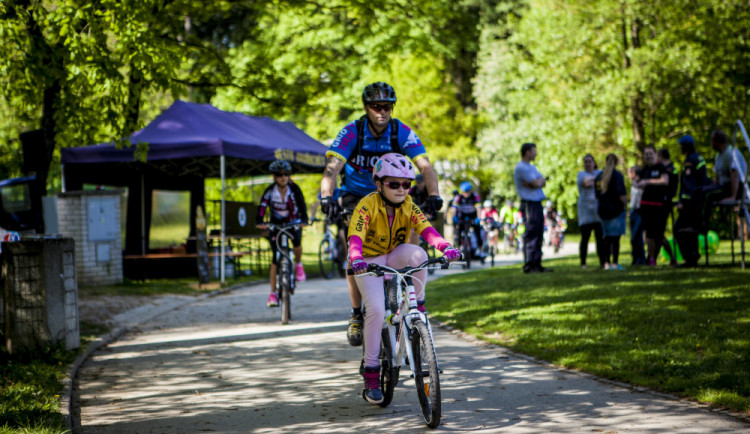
[
  {"x": 463, "y": 229},
  {"x": 285, "y": 280},
  {"x": 331, "y": 251},
  {"x": 489, "y": 226}
]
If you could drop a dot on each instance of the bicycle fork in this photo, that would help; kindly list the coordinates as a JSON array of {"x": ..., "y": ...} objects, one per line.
[{"x": 401, "y": 341}]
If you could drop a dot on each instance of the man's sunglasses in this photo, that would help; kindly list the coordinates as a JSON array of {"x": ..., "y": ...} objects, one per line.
[
  {"x": 280, "y": 174},
  {"x": 394, "y": 185},
  {"x": 381, "y": 107}
]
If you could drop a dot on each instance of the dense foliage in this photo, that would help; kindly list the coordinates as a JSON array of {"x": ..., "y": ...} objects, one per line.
[
  {"x": 475, "y": 79},
  {"x": 609, "y": 76}
]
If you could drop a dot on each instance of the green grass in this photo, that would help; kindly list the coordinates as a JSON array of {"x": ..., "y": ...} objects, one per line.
[
  {"x": 680, "y": 331},
  {"x": 30, "y": 387},
  {"x": 31, "y": 384}
]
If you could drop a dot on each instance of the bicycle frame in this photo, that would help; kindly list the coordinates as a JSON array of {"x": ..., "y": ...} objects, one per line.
[
  {"x": 399, "y": 323},
  {"x": 283, "y": 237},
  {"x": 284, "y": 271},
  {"x": 332, "y": 236}
]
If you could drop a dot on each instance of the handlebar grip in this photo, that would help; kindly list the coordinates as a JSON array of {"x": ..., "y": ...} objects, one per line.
[{"x": 371, "y": 268}]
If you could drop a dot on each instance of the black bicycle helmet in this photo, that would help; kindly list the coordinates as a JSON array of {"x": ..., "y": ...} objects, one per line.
[
  {"x": 280, "y": 166},
  {"x": 378, "y": 92}
]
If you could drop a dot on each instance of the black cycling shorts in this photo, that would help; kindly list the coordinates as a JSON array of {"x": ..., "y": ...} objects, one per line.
[{"x": 296, "y": 242}]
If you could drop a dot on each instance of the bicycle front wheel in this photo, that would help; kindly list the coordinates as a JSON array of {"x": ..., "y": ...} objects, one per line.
[
  {"x": 326, "y": 259},
  {"x": 286, "y": 290},
  {"x": 466, "y": 249},
  {"x": 426, "y": 374},
  {"x": 388, "y": 373}
]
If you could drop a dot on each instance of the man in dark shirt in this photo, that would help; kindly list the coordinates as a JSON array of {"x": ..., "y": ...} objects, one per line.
[
  {"x": 671, "y": 190},
  {"x": 653, "y": 179},
  {"x": 692, "y": 178}
]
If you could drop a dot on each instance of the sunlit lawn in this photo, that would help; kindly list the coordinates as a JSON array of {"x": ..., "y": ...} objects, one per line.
[{"x": 682, "y": 331}]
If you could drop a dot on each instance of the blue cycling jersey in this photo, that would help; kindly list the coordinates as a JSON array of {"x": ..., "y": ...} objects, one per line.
[{"x": 358, "y": 171}]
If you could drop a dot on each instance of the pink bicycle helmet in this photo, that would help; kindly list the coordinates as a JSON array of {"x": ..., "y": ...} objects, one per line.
[{"x": 395, "y": 165}]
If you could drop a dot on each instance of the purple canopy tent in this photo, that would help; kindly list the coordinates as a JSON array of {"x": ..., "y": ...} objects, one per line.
[{"x": 187, "y": 143}]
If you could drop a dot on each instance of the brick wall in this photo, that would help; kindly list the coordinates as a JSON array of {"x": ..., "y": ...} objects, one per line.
[{"x": 98, "y": 256}]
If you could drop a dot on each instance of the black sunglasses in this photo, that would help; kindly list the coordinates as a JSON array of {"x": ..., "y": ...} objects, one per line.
[
  {"x": 394, "y": 185},
  {"x": 381, "y": 107},
  {"x": 280, "y": 174}
]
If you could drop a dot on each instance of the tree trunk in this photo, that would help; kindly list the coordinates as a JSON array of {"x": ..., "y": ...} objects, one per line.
[
  {"x": 133, "y": 104},
  {"x": 636, "y": 101},
  {"x": 53, "y": 59}
]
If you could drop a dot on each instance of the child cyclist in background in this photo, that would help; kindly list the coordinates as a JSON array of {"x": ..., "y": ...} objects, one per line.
[
  {"x": 378, "y": 233},
  {"x": 284, "y": 202}
]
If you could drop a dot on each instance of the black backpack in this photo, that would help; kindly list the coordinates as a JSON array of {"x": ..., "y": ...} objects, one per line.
[{"x": 360, "y": 124}]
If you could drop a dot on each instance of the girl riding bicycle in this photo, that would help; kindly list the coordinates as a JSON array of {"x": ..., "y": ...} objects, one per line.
[
  {"x": 378, "y": 233},
  {"x": 285, "y": 201}
]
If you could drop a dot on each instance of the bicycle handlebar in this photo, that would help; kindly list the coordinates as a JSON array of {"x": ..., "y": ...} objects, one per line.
[
  {"x": 381, "y": 270},
  {"x": 294, "y": 224}
]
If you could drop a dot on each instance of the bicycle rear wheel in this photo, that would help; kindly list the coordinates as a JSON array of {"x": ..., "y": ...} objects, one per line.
[
  {"x": 388, "y": 373},
  {"x": 286, "y": 290},
  {"x": 426, "y": 372},
  {"x": 326, "y": 259}
]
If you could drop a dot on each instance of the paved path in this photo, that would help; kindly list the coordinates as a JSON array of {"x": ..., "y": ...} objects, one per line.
[{"x": 225, "y": 364}]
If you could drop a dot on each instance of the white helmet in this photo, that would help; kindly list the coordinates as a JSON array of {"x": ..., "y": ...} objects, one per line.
[
  {"x": 487, "y": 203},
  {"x": 394, "y": 165}
]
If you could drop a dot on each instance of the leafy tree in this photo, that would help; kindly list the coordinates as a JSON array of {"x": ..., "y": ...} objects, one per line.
[{"x": 607, "y": 76}]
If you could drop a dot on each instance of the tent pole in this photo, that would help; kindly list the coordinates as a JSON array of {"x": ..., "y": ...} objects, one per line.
[
  {"x": 143, "y": 214},
  {"x": 223, "y": 214}
]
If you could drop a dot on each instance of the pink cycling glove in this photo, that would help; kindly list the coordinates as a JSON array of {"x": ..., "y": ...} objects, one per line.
[
  {"x": 452, "y": 254},
  {"x": 359, "y": 265}
]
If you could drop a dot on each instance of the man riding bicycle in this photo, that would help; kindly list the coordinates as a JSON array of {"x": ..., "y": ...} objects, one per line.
[
  {"x": 355, "y": 151},
  {"x": 464, "y": 208},
  {"x": 283, "y": 202},
  {"x": 381, "y": 222}
]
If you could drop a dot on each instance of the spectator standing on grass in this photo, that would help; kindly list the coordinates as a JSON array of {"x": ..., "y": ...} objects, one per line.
[
  {"x": 588, "y": 217},
  {"x": 729, "y": 176},
  {"x": 636, "y": 222},
  {"x": 529, "y": 183},
  {"x": 612, "y": 201},
  {"x": 663, "y": 157},
  {"x": 653, "y": 179},
  {"x": 692, "y": 179}
]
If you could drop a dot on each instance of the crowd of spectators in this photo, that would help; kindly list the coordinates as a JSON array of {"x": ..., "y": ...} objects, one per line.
[{"x": 657, "y": 190}]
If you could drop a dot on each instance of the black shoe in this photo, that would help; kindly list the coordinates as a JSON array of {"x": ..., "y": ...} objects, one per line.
[
  {"x": 541, "y": 269},
  {"x": 354, "y": 331}
]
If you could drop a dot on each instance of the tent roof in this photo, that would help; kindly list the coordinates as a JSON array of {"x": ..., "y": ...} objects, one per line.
[{"x": 188, "y": 138}]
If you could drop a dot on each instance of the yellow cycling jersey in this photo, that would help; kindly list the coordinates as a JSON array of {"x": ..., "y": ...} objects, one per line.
[{"x": 370, "y": 223}]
